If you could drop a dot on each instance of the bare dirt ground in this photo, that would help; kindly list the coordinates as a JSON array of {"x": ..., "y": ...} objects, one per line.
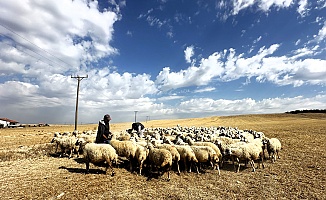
[{"x": 28, "y": 169}]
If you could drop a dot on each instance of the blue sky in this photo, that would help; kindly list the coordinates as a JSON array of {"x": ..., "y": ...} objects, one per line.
[{"x": 165, "y": 59}]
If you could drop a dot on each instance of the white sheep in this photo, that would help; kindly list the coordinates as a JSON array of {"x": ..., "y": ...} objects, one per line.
[
  {"x": 66, "y": 143},
  {"x": 173, "y": 150},
  {"x": 98, "y": 153},
  {"x": 248, "y": 152},
  {"x": 124, "y": 149},
  {"x": 88, "y": 137},
  {"x": 210, "y": 144},
  {"x": 187, "y": 155},
  {"x": 206, "y": 154},
  {"x": 273, "y": 146},
  {"x": 160, "y": 158},
  {"x": 141, "y": 155}
]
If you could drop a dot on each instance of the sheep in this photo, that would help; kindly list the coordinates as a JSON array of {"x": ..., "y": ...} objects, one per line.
[
  {"x": 87, "y": 137},
  {"x": 66, "y": 143},
  {"x": 160, "y": 158},
  {"x": 124, "y": 149},
  {"x": 245, "y": 152},
  {"x": 173, "y": 150},
  {"x": 167, "y": 140},
  {"x": 141, "y": 155},
  {"x": 137, "y": 141},
  {"x": 273, "y": 146},
  {"x": 97, "y": 153},
  {"x": 179, "y": 141},
  {"x": 206, "y": 154},
  {"x": 210, "y": 144},
  {"x": 187, "y": 155},
  {"x": 246, "y": 136}
]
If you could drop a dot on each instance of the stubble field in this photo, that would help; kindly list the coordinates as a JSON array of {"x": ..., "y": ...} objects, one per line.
[{"x": 29, "y": 169}]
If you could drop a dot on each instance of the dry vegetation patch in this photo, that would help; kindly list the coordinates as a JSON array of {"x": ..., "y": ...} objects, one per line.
[{"x": 28, "y": 169}]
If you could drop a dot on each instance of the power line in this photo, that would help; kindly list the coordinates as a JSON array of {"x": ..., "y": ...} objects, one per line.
[
  {"x": 34, "y": 45},
  {"x": 30, "y": 50}
]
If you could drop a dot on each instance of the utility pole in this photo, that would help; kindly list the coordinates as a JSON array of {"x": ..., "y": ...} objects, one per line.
[
  {"x": 79, "y": 78},
  {"x": 136, "y": 116}
]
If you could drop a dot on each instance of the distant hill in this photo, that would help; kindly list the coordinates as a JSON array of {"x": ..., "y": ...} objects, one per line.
[{"x": 307, "y": 111}]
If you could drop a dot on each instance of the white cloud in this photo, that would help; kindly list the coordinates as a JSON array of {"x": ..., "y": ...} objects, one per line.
[
  {"x": 129, "y": 33},
  {"x": 168, "y": 98},
  {"x": 189, "y": 52},
  {"x": 78, "y": 34},
  {"x": 257, "y": 40},
  {"x": 321, "y": 36},
  {"x": 45, "y": 29},
  {"x": 297, "y": 42},
  {"x": 207, "y": 89},
  {"x": 264, "y": 5},
  {"x": 302, "y": 9},
  {"x": 267, "y": 5},
  {"x": 228, "y": 66},
  {"x": 248, "y": 105},
  {"x": 208, "y": 68}
]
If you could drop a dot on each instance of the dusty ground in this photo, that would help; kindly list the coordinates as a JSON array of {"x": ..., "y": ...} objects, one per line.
[{"x": 28, "y": 169}]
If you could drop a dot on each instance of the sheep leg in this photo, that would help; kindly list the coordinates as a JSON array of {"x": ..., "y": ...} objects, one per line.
[
  {"x": 218, "y": 169},
  {"x": 252, "y": 165},
  {"x": 71, "y": 152},
  {"x": 221, "y": 163},
  {"x": 168, "y": 175},
  {"x": 185, "y": 163},
  {"x": 109, "y": 165},
  {"x": 87, "y": 167},
  {"x": 178, "y": 167},
  {"x": 140, "y": 167},
  {"x": 198, "y": 168},
  {"x": 273, "y": 157},
  {"x": 238, "y": 165},
  {"x": 212, "y": 165},
  {"x": 131, "y": 159},
  {"x": 77, "y": 150},
  {"x": 62, "y": 152},
  {"x": 56, "y": 149},
  {"x": 262, "y": 162},
  {"x": 233, "y": 163},
  {"x": 150, "y": 170}
]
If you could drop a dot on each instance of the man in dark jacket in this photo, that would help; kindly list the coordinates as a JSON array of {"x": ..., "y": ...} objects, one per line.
[{"x": 103, "y": 131}]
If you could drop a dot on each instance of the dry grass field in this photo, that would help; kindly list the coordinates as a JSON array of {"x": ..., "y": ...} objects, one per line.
[{"x": 28, "y": 169}]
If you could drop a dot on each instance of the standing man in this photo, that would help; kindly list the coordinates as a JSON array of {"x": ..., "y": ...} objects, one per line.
[{"x": 103, "y": 131}]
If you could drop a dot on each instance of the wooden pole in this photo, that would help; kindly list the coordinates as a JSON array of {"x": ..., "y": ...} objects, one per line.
[{"x": 79, "y": 78}]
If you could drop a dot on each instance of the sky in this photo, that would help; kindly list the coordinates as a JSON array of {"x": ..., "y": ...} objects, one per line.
[{"x": 165, "y": 59}]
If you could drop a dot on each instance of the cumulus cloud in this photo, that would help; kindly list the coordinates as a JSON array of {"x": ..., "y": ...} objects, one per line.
[
  {"x": 65, "y": 34},
  {"x": 248, "y": 105},
  {"x": 49, "y": 41},
  {"x": 45, "y": 44},
  {"x": 113, "y": 85},
  {"x": 193, "y": 76},
  {"x": 228, "y": 66}
]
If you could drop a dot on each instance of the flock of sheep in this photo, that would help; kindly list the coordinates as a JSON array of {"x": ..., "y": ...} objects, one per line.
[{"x": 166, "y": 148}]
